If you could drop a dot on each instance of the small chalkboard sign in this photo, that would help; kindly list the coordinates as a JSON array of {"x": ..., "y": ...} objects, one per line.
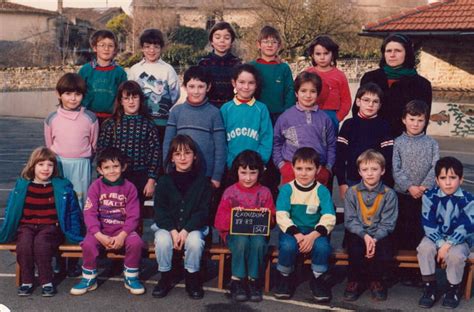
[{"x": 250, "y": 222}]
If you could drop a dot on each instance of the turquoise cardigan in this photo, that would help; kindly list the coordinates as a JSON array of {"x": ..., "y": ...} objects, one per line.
[{"x": 67, "y": 207}]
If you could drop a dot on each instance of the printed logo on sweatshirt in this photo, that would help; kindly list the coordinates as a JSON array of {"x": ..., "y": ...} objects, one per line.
[{"x": 249, "y": 132}]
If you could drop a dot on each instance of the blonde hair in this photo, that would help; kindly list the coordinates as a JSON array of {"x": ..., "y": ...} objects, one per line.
[
  {"x": 39, "y": 154},
  {"x": 369, "y": 156}
]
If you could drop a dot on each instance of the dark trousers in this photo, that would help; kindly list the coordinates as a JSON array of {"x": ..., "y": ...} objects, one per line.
[
  {"x": 37, "y": 244},
  {"x": 139, "y": 179},
  {"x": 359, "y": 266},
  {"x": 408, "y": 231}
]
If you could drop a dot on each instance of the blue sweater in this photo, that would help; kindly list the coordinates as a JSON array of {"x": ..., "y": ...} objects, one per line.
[
  {"x": 203, "y": 123},
  {"x": 67, "y": 207},
  {"x": 448, "y": 218},
  {"x": 247, "y": 126}
]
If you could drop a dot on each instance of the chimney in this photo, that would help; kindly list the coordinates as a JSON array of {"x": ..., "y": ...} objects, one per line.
[{"x": 60, "y": 6}]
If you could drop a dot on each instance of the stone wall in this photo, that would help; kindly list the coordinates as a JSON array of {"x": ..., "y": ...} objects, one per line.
[{"x": 32, "y": 78}]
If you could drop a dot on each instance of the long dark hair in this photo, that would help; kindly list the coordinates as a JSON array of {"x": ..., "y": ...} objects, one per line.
[
  {"x": 182, "y": 141},
  {"x": 129, "y": 88},
  {"x": 407, "y": 45},
  {"x": 328, "y": 44}
]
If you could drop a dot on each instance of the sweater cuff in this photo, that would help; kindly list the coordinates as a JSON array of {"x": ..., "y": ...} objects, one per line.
[
  {"x": 321, "y": 229},
  {"x": 292, "y": 230},
  {"x": 440, "y": 242}
]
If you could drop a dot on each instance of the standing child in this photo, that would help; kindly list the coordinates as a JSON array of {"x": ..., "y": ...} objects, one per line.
[
  {"x": 202, "y": 122},
  {"x": 364, "y": 131},
  {"x": 157, "y": 79},
  {"x": 111, "y": 214},
  {"x": 414, "y": 157},
  {"x": 181, "y": 213},
  {"x": 248, "y": 251},
  {"x": 102, "y": 75},
  {"x": 277, "y": 81},
  {"x": 370, "y": 215},
  {"x": 134, "y": 133},
  {"x": 71, "y": 132},
  {"x": 304, "y": 125},
  {"x": 306, "y": 216},
  {"x": 219, "y": 63},
  {"x": 246, "y": 120},
  {"x": 447, "y": 217},
  {"x": 335, "y": 96},
  {"x": 41, "y": 210}
]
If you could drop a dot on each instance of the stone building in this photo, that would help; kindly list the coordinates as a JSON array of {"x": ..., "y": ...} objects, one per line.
[{"x": 443, "y": 33}]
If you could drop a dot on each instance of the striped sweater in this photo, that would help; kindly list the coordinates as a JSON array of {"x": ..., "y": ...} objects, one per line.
[{"x": 39, "y": 207}]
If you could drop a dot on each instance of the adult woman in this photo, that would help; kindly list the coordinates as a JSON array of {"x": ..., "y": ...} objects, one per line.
[{"x": 399, "y": 81}]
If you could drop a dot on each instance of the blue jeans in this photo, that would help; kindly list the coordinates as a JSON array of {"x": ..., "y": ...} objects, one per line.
[
  {"x": 288, "y": 250},
  {"x": 193, "y": 248},
  {"x": 248, "y": 253}
]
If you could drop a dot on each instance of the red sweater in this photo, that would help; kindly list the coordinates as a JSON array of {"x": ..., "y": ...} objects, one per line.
[
  {"x": 335, "y": 94},
  {"x": 258, "y": 196}
]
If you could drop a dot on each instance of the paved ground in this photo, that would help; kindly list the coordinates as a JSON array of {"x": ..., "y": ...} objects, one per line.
[{"x": 21, "y": 135}]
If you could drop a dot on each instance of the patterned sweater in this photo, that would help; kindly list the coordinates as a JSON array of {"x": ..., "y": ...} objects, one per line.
[
  {"x": 220, "y": 68},
  {"x": 111, "y": 205},
  {"x": 305, "y": 208},
  {"x": 258, "y": 196},
  {"x": 414, "y": 158},
  {"x": 448, "y": 218},
  {"x": 137, "y": 137}
]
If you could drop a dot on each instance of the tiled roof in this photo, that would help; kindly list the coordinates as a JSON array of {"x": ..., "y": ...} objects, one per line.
[
  {"x": 98, "y": 17},
  {"x": 18, "y": 8},
  {"x": 445, "y": 15}
]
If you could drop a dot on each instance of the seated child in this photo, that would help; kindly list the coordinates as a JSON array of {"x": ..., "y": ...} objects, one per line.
[
  {"x": 112, "y": 215},
  {"x": 248, "y": 251},
  {"x": 305, "y": 125},
  {"x": 363, "y": 131},
  {"x": 447, "y": 218},
  {"x": 182, "y": 200},
  {"x": 41, "y": 209},
  {"x": 370, "y": 215},
  {"x": 306, "y": 216}
]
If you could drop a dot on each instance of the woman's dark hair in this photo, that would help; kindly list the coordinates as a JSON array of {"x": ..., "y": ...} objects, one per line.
[
  {"x": 308, "y": 77},
  {"x": 328, "y": 44},
  {"x": 247, "y": 158},
  {"x": 222, "y": 26},
  {"x": 250, "y": 69},
  {"x": 407, "y": 45},
  {"x": 129, "y": 88},
  {"x": 179, "y": 142}
]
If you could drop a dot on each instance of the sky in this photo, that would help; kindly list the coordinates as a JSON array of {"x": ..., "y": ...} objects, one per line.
[{"x": 53, "y": 4}]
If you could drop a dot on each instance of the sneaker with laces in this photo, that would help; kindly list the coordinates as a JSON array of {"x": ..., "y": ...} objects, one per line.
[
  {"x": 379, "y": 292},
  {"x": 451, "y": 297},
  {"x": 48, "y": 291},
  {"x": 353, "y": 291},
  {"x": 283, "y": 290},
  {"x": 25, "y": 290},
  {"x": 255, "y": 291},
  {"x": 237, "y": 291},
  {"x": 428, "y": 298},
  {"x": 319, "y": 289}
]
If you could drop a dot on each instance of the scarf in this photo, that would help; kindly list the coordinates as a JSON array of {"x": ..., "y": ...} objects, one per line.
[{"x": 398, "y": 72}]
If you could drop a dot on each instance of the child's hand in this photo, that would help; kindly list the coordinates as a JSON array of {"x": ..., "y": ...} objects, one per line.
[
  {"x": 183, "y": 235},
  {"x": 149, "y": 188},
  {"x": 215, "y": 184},
  {"x": 307, "y": 242},
  {"x": 369, "y": 246},
  {"x": 415, "y": 191},
  {"x": 175, "y": 237},
  {"x": 442, "y": 252},
  {"x": 105, "y": 240},
  {"x": 342, "y": 190},
  {"x": 118, "y": 240},
  {"x": 299, "y": 237}
]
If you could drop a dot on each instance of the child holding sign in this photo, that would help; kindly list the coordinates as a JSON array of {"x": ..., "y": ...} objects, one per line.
[{"x": 248, "y": 251}]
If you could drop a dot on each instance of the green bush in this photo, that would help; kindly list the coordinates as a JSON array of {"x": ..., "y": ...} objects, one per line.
[
  {"x": 179, "y": 55},
  {"x": 195, "y": 37}
]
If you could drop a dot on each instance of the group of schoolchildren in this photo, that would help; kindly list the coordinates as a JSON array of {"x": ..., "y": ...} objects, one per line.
[{"x": 201, "y": 159}]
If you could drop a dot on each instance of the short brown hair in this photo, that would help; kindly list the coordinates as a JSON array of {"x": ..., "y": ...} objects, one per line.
[
  {"x": 369, "y": 156},
  {"x": 417, "y": 108},
  {"x": 39, "y": 154},
  {"x": 71, "y": 82},
  {"x": 102, "y": 34},
  {"x": 308, "y": 77},
  {"x": 269, "y": 32},
  {"x": 222, "y": 26}
]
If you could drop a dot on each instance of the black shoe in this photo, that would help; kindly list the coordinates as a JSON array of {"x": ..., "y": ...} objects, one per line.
[
  {"x": 237, "y": 291},
  {"x": 353, "y": 291},
  {"x": 319, "y": 289},
  {"x": 164, "y": 285},
  {"x": 379, "y": 292},
  {"x": 48, "y": 291},
  {"x": 429, "y": 296},
  {"x": 74, "y": 271},
  {"x": 283, "y": 290},
  {"x": 255, "y": 291},
  {"x": 193, "y": 285},
  {"x": 451, "y": 297},
  {"x": 25, "y": 290}
]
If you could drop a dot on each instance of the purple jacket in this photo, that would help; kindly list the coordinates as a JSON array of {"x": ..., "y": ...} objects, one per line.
[
  {"x": 111, "y": 205},
  {"x": 297, "y": 128}
]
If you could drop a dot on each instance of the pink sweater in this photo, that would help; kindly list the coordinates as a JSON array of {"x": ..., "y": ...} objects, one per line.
[
  {"x": 335, "y": 94},
  {"x": 71, "y": 134}
]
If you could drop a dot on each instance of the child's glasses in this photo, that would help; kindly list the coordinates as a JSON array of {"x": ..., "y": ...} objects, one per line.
[
  {"x": 183, "y": 154},
  {"x": 369, "y": 101},
  {"x": 268, "y": 42},
  {"x": 129, "y": 98},
  {"x": 106, "y": 46}
]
